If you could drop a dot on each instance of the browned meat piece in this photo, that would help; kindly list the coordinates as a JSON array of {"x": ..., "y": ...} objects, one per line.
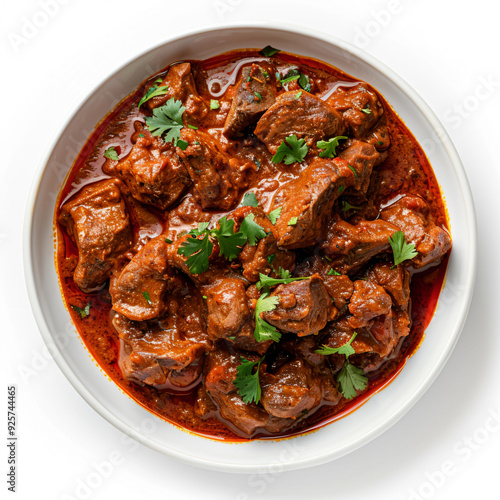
[
  {"x": 303, "y": 308},
  {"x": 307, "y": 202},
  {"x": 217, "y": 177},
  {"x": 395, "y": 281},
  {"x": 181, "y": 86},
  {"x": 138, "y": 290},
  {"x": 411, "y": 214},
  {"x": 307, "y": 117},
  {"x": 368, "y": 301},
  {"x": 360, "y": 108},
  {"x": 380, "y": 138},
  {"x": 292, "y": 391},
  {"x": 352, "y": 246},
  {"x": 150, "y": 352},
  {"x": 254, "y": 94},
  {"x": 152, "y": 171},
  {"x": 362, "y": 157},
  {"x": 97, "y": 220}
]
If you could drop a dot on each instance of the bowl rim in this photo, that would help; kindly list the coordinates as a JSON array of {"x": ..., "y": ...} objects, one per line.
[{"x": 394, "y": 78}]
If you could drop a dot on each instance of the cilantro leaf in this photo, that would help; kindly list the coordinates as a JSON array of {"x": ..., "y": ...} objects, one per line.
[
  {"x": 304, "y": 83},
  {"x": 350, "y": 379},
  {"x": 295, "y": 150},
  {"x": 246, "y": 382},
  {"x": 289, "y": 79},
  {"x": 293, "y": 221},
  {"x": 366, "y": 110},
  {"x": 198, "y": 251},
  {"x": 266, "y": 282},
  {"x": 252, "y": 230},
  {"x": 182, "y": 144},
  {"x": 400, "y": 249},
  {"x": 111, "y": 153},
  {"x": 214, "y": 104},
  {"x": 269, "y": 51},
  {"x": 345, "y": 349},
  {"x": 298, "y": 94},
  {"x": 249, "y": 200},
  {"x": 153, "y": 91},
  {"x": 82, "y": 312},
  {"x": 333, "y": 272},
  {"x": 258, "y": 96},
  {"x": 230, "y": 243},
  {"x": 263, "y": 330},
  {"x": 329, "y": 146},
  {"x": 275, "y": 215},
  {"x": 347, "y": 206},
  {"x": 167, "y": 119},
  {"x": 147, "y": 297},
  {"x": 353, "y": 171}
]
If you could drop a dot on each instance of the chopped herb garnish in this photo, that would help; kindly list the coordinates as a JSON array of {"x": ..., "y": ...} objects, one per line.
[
  {"x": 258, "y": 96},
  {"x": 147, "y": 297},
  {"x": 193, "y": 127},
  {"x": 249, "y": 200},
  {"x": 380, "y": 143},
  {"x": 197, "y": 252},
  {"x": 347, "y": 206},
  {"x": 265, "y": 73},
  {"x": 401, "y": 250},
  {"x": 353, "y": 170},
  {"x": 293, "y": 221},
  {"x": 341, "y": 189},
  {"x": 289, "y": 79},
  {"x": 263, "y": 330},
  {"x": 332, "y": 272},
  {"x": 367, "y": 109},
  {"x": 295, "y": 150},
  {"x": 168, "y": 240},
  {"x": 269, "y": 51},
  {"x": 153, "y": 91},
  {"x": 214, "y": 104},
  {"x": 265, "y": 282},
  {"x": 252, "y": 230},
  {"x": 329, "y": 146},
  {"x": 182, "y": 144},
  {"x": 270, "y": 258},
  {"x": 298, "y": 94},
  {"x": 275, "y": 215},
  {"x": 350, "y": 378},
  {"x": 257, "y": 162},
  {"x": 82, "y": 312},
  {"x": 111, "y": 153},
  {"x": 304, "y": 82},
  {"x": 159, "y": 80},
  {"x": 167, "y": 119},
  {"x": 247, "y": 381},
  {"x": 205, "y": 297}
]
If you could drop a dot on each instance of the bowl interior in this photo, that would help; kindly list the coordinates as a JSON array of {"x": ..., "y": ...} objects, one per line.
[{"x": 334, "y": 440}]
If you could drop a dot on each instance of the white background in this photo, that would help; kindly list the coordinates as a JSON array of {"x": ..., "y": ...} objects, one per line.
[{"x": 448, "y": 51}]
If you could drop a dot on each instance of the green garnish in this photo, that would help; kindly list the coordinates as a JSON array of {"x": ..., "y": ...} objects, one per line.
[
  {"x": 258, "y": 96},
  {"x": 168, "y": 240},
  {"x": 269, "y": 51},
  {"x": 111, "y": 153},
  {"x": 167, "y": 119},
  {"x": 214, "y": 104},
  {"x": 401, "y": 250},
  {"x": 82, "y": 312},
  {"x": 182, "y": 144},
  {"x": 263, "y": 330},
  {"x": 341, "y": 189},
  {"x": 205, "y": 297},
  {"x": 347, "y": 206},
  {"x": 153, "y": 91},
  {"x": 266, "y": 282},
  {"x": 367, "y": 109},
  {"x": 329, "y": 146},
  {"x": 353, "y": 170},
  {"x": 293, "y": 221},
  {"x": 193, "y": 127},
  {"x": 332, "y": 272},
  {"x": 275, "y": 215},
  {"x": 295, "y": 150},
  {"x": 265, "y": 73},
  {"x": 289, "y": 79},
  {"x": 147, "y": 297},
  {"x": 249, "y": 200},
  {"x": 252, "y": 230},
  {"x": 304, "y": 82},
  {"x": 298, "y": 94},
  {"x": 350, "y": 378},
  {"x": 247, "y": 383},
  {"x": 271, "y": 258}
]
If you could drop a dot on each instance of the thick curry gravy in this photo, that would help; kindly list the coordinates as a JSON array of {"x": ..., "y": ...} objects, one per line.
[{"x": 405, "y": 170}]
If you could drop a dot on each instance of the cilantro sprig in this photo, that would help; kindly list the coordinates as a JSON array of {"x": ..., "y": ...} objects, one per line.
[
  {"x": 153, "y": 91},
  {"x": 83, "y": 312},
  {"x": 329, "y": 146},
  {"x": 350, "y": 378},
  {"x": 198, "y": 250},
  {"x": 249, "y": 200},
  {"x": 291, "y": 150},
  {"x": 263, "y": 330},
  {"x": 167, "y": 120},
  {"x": 269, "y": 51},
  {"x": 401, "y": 250},
  {"x": 266, "y": 282},
  {"x": 111, "y": 153},
  {"x": 275, "y": 215},
  {"x": 247, "y": 381}
]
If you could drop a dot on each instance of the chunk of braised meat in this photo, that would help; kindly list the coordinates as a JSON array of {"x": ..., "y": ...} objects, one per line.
[
  {"x": 367, "y": 301},
  {"x": 217, "y": 177},
  {"x": 304, "y": 306},
  {"x": 229, "y": 315},
  {"x": 97, "y": 221},
  {"x": 412, "y": 215},
  {"x": 360, "y": 108},
  {"x": 138, "y": 290},
  {"x": 307, "y": 202},
  {"x": 394, "y": 280},
  {"x": 306, "y": 116},
  {"x": 181, "y": 86},
  {"x": 152, "y": 172},
  {"x": 379, "y": 137},
  {"x": 255, "y": 93},
  {"x": 350, "y": 247},
  {"x": 264, "y": 257},
  {"x": 151, "y": 351},
  {"x": 186, "y": 216},
  {"x": 362, "y": 157},
  {"x": 292, "y": 391}
]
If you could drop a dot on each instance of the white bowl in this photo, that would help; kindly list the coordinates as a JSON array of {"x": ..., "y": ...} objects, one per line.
[{"x": 340, "y": 437}]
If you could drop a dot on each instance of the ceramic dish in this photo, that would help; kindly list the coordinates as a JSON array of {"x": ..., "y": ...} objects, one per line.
[{"x": 337, "y": 439}]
